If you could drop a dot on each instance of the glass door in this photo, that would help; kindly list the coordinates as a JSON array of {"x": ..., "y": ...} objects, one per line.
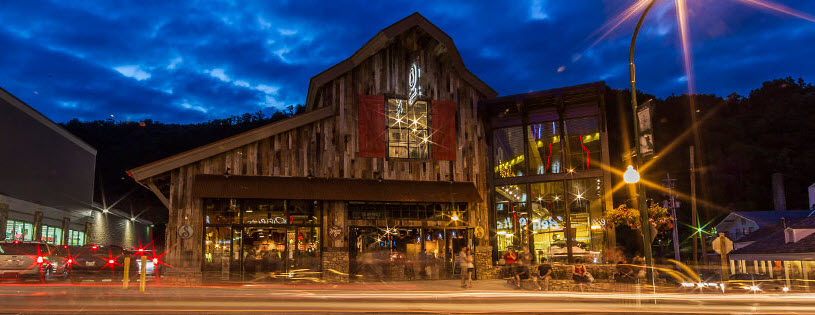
[{"x": 217, "y": 252}]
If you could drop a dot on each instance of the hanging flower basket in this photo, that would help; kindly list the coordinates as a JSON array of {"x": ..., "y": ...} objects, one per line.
[{"x": 625, "y": 216}]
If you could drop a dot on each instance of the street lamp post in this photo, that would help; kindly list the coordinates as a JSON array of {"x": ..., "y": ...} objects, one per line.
[{"x": 641, "y": 204}]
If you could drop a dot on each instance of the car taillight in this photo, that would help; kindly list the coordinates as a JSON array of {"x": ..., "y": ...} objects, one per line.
[
  {"x": 94, "y": 247},
  {"x": 155, "y": 261},
  {"x": 39, "y": 259},
  {"x": 141, "y": 250},
  {"x": 70, "y": 261},
  {"x": 110, "y": 261}
]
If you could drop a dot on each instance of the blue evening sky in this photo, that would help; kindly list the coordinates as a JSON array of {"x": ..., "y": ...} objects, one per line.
[{"x": 177, "y": 61}]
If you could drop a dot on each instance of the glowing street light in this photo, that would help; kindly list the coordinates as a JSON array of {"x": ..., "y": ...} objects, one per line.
[{"x": 631, "y": 176}]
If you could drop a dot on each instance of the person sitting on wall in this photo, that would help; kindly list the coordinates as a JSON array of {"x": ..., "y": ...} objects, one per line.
[
  {"x": 544, "y": 273},
  {"x": 579, "y": 274}
]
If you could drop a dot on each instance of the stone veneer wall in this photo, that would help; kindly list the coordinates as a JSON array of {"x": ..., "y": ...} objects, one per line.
[
  {"x": 335, "y": 265},
  {"x": 483, "y": 263}
]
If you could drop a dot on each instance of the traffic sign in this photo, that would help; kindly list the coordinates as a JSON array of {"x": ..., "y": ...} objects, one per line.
[{"x": 722, "y": 245}]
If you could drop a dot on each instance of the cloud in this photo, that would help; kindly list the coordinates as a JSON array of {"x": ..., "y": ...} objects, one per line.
[
  {"x": 133, "y": 71},
  {"x": 78, "y": 59}
]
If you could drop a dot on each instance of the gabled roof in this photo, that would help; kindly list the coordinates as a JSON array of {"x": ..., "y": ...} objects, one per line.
[
  {"x": 380, "y": 40},
  {"x": 763, "y": 218},
  {"x": 167, "y": 164},
  {"x": 776, "y": 243}
]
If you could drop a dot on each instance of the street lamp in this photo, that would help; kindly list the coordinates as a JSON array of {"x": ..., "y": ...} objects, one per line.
[
  {"x": 631, "y": 176},
  {"x": 645, "y": 223}
]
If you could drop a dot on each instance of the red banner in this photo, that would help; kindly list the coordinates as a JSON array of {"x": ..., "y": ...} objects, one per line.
[
  {"x": 371, "y": 119},
  {"x": 443, "y": 120}
]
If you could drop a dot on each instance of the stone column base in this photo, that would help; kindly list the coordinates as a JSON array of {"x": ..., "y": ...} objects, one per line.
[
  {"x": 335, "y": 265},
  {"x": 483, "y": 262}
]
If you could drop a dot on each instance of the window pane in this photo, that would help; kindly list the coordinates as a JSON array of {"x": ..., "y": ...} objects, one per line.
[
  {"x": 509, "y": 152},
  {"x": 221, "y": 211},
  {"x": 548, "y": 208},
  {"x": 257, "y": 211},
  {"x": 584, "y": 143},
  {"x": 511, "y": 215},
  {"x": 586, "y": 207},
  {"x": 408, "y": 135},
  {"x": 545, "y": 153}
]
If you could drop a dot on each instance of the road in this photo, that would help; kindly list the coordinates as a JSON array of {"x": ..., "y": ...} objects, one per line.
[{"x": 442, "y": 297}]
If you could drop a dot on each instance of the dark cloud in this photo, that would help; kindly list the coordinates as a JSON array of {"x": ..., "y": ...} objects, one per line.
[{"x": 187, "y": 62}]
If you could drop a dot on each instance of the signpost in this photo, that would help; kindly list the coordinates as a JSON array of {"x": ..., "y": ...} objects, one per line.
[{"x": 723, "y": 245}]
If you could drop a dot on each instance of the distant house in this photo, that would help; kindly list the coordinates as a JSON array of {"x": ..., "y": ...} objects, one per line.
[
  {"x": 787, "y": 249},
  {"x": 739, "y": 224}
]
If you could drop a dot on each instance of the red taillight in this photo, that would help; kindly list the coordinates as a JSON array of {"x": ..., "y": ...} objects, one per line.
[
  {"x": 94, "y": 247},
  {"x": 141, "y": 250},
  {"x": 70, "y": 261},
  {"x": 110, "y": 261},
  {"x": 16, "y": 242},
  {"x": 155, "y": 261},
  {"x": 39, "y": 259}
]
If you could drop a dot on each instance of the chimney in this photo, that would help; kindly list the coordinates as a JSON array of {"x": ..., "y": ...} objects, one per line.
[
  {"x": 779, "y": 199},
  {"x": 812, "y": 197}
]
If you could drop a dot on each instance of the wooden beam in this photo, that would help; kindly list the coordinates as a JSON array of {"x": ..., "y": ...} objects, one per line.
[
  {"x": 167, "y": 164},
  {"x": 158, "y": 193}
]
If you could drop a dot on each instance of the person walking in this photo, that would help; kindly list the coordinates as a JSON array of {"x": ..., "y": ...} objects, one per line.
[
  {"x": 465, "y": 263},
  {"x": 510, "y": 259}
]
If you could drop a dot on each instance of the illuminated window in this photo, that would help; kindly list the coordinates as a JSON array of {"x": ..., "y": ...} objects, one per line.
[
  {"x": 20, "y": 231},
  {"x": 76, "y": 237},
  {"x": 408, "y": 131},
  {"x": 545, "y": 153},
  {"x": 51, "y": 235},
  {"x": 584, "y": 143},
  {"x": 509, "y": 152}
]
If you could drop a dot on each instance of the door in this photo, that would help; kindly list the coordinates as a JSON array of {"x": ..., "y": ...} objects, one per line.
[{"x": 217, "y": 252}]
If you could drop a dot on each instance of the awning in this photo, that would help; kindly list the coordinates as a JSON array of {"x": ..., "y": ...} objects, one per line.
[{"x": 304, "y": 188}]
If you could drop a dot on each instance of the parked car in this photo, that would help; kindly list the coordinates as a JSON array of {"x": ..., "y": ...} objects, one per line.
[
  {"x": 152, "y": 265},
  {"x": 88, "y": 260},
  {"x": 31, "y": 259}
]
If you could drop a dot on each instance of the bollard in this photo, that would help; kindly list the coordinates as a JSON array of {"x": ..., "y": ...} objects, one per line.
[
  {"x": 143, "y": 276},
  {"x": 126, "y": 279}
]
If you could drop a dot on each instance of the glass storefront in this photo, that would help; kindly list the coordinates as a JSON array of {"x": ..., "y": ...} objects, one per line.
[
  {"x": 261, "y": 240},
  {"x": 51, "y": 235},
  {"x": 76, "y": 237},
  {"x": 19, "y": 230},
  {"x": 548, "y": 193}
]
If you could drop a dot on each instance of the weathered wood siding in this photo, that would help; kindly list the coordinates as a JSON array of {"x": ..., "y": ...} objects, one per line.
[{"x": 328, "y": 148}]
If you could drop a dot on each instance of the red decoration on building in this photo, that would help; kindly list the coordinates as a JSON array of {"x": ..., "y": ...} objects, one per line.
[
  {"x": 371, "y": 119},
  {"x": 443, "y": 120}
]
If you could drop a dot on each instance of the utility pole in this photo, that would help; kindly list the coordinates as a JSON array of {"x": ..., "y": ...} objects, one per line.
[
  {"x": 670, "y": 183},
  {"x": 694, "y": 218}
]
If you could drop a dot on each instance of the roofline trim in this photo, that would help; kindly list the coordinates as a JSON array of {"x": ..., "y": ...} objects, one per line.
[
  {"x": 191, "y": 156},
  {"x": 380, "y": 40}
]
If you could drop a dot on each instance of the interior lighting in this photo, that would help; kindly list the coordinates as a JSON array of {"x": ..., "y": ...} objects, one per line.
[
  {"x": 455, "y": 217},
  {"x": 631, "y": 176}
]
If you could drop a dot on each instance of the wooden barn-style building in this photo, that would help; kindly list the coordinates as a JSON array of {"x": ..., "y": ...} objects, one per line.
[{"x": 387, "y": 174}]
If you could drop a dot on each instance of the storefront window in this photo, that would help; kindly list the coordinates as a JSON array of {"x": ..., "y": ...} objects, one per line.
[
  {"x": 511, "y": 215},
  {"x": 584, "y": 143},
  {"x": 256, "y": 211},
  {"x": 19, "y": 231},
  {"x": 221, "y": 211},
  {"x": 545, "y": 152},
  {"x": 586, "y": 211},
  {"x": 509, "y": 152},
  {"x": 548, "y": 207},
  {"x": 51, "y": 235},
  {"x": 408, "y": 135},
  {"x": 76, "y": 237}
]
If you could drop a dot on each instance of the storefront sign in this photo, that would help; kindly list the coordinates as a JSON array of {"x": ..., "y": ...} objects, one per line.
[
  {"x": 275, "y": 220},
  {"x": 185, "y": 231},
  {"x": 413, "y": 83},
  {"x": 335, "y": 232},
  {"x": 479, "y": 232},
  {"x": 644, "y": 115}
]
